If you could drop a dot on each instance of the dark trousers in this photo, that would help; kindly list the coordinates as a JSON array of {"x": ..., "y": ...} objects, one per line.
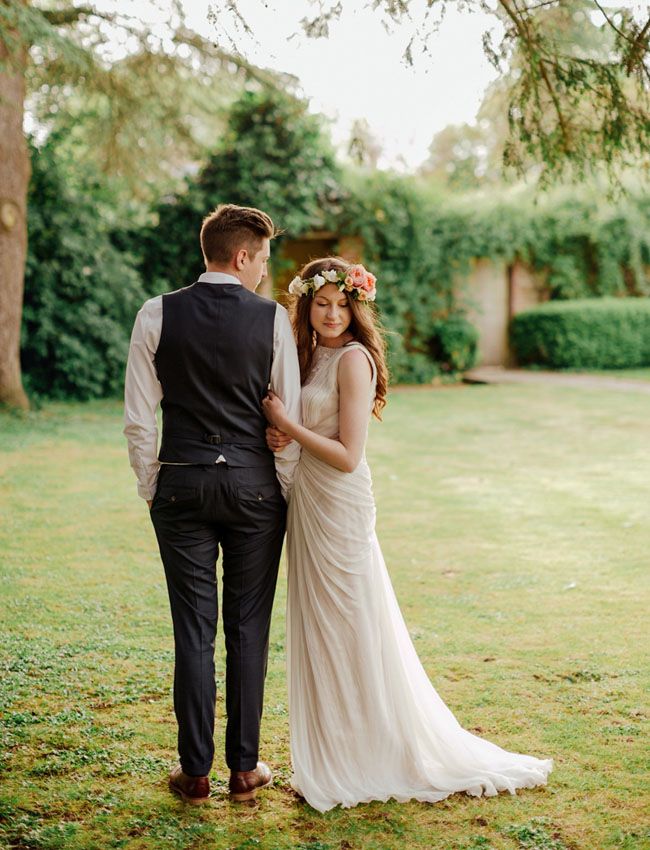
[{"x": 197, "y": 509}]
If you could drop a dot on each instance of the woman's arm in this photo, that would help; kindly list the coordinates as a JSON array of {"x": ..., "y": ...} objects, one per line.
[{"x": 344, "y": 453}]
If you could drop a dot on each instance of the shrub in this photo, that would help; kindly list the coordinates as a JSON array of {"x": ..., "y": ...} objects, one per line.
[
  {"x": 603, "y": 333},
  {"x": 408, "y": 367},
  {"x": 455, "y": 344},
  {"x": 81, "y": 292}
]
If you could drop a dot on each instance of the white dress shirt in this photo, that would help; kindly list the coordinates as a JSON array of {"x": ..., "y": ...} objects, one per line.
[{"x": 143, "y": 392}]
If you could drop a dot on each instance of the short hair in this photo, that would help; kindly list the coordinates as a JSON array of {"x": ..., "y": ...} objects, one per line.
[{"x": 230, "y": 228}]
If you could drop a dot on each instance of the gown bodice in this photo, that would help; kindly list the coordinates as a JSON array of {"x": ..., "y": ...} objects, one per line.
[{"x": 320, "y": 392}]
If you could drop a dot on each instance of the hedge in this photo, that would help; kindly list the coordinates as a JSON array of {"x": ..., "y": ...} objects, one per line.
[{"x": 603, "y": 333}]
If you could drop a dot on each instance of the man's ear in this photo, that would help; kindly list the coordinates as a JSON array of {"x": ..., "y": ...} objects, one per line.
[{"x": 240, "y": 257}]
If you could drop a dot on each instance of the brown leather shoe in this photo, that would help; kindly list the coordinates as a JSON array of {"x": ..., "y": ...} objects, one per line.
[
  {"x": 244, "y": 784},
  {"x": 194, "y": 790}
]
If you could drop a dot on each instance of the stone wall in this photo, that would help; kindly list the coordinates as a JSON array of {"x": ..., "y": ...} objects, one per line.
[{"x": 493, "y": 293}]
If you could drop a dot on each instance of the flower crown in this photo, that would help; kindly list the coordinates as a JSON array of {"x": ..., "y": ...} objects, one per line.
[{"x": 359, "y": 283}]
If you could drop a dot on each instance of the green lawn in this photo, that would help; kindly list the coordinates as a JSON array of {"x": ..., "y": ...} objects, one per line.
[
  {"x": 515, "y": 524},
  {"x": 627, "y": 374}
]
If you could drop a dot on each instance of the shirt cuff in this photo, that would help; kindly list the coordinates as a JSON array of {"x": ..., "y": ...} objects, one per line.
[{"x": 146, "y": 492}]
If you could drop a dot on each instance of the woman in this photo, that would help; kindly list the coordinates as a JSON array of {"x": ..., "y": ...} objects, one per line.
[{"x": 365, "y": 722}]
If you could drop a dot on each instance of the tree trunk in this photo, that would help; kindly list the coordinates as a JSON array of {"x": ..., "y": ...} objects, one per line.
[{"x": 14, "y": 182}]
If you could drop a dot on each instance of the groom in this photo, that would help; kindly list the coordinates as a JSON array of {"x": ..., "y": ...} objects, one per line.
[{"x": 207, "y": 354}]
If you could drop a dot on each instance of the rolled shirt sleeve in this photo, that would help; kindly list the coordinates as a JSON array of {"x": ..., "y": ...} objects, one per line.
[
  {"x": 285, "y": 383},
  {"x": 142, "y": 394}
]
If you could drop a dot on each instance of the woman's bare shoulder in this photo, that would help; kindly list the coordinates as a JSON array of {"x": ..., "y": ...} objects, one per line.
[{"x": 354, "y": 364}]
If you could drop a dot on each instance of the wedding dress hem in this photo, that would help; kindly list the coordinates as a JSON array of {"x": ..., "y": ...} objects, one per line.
[{"x": 492, "y": 790}]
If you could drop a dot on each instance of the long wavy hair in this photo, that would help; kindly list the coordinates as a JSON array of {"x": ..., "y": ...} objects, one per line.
[{"x": 365, "y": 327}]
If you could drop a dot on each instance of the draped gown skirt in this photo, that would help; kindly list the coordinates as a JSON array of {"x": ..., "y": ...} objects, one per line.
[{"x": 365, "y": 721}]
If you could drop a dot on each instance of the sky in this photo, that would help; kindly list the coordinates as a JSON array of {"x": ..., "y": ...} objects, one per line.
[{"x": 359, "y": 71}]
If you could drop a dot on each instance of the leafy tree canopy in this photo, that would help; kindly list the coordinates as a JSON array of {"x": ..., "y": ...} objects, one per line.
[
  {"x": 273, "y": 155},
  {"x": 138, "y": 102}
]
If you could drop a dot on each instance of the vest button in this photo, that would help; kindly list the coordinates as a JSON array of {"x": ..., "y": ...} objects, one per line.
[
  {"x": 173, "y": 498},
  {"x": 259, "y": 497}
]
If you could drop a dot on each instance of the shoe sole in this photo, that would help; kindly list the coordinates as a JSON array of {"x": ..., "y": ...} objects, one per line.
[
  {"x": 246, "y": 796},
  {"x": 193, "y": 801}
]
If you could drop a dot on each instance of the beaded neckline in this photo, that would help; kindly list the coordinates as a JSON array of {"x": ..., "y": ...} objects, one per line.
[{"x": 337, "y": 347}]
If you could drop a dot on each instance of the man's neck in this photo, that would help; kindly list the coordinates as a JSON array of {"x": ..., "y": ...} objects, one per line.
[{"x": 211, "y": 267}]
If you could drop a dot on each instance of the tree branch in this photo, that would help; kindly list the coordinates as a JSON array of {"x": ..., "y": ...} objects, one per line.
[
  {"x": 534, "y": 53},
  {"x": 541, "y": 5},
  {"x": 63, "y": 17},
  {"x": 612, "y": 24},
  {"x": 637, "y": 47},
  {"x": 208, "y": 48}
]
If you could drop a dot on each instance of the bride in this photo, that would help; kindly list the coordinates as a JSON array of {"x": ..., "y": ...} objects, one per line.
[{"x": 365, "y": 721}]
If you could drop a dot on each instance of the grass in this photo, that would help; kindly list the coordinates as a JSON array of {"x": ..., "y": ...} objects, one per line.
[
  {"x": 514, "y": 522},
  {"x": 641, "y": 374},
  {"x": 637, "y": 374}
]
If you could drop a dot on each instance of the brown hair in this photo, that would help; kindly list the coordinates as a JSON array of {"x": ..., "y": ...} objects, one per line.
[
  {"x": 230, "y": 228},
  {"x": 365, "y": 327}
]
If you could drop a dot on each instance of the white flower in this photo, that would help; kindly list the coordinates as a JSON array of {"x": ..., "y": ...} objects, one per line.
[
  {"x": 331, "y": 276},
  {"x": 370, "y": 296},
  {"x": 296, "y": 286},
  {"x": 319, "y": 281}
]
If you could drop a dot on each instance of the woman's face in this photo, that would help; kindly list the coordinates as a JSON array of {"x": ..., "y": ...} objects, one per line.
[{"x": 330, "y": 314}]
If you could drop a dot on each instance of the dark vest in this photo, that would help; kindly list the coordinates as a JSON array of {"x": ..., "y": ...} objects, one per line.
[{"x": 214, "y": 364}]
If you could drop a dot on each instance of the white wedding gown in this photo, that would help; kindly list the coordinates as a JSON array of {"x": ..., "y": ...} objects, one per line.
[{"x": 365, "y": 721}]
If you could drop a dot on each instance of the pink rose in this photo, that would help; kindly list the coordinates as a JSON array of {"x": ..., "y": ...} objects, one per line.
[
  {"x": 357, "y": 275},
  {"x": 371, "y": 280},
  {"x": 360, "y": 278}
]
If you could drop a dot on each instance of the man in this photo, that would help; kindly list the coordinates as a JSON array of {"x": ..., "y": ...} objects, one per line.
[{"x": 208, "y": 354}]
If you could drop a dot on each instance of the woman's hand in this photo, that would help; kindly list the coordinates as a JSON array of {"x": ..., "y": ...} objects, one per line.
[
  {"x": 276, "y": 439},
  {"x": 274, "y": 410}
]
